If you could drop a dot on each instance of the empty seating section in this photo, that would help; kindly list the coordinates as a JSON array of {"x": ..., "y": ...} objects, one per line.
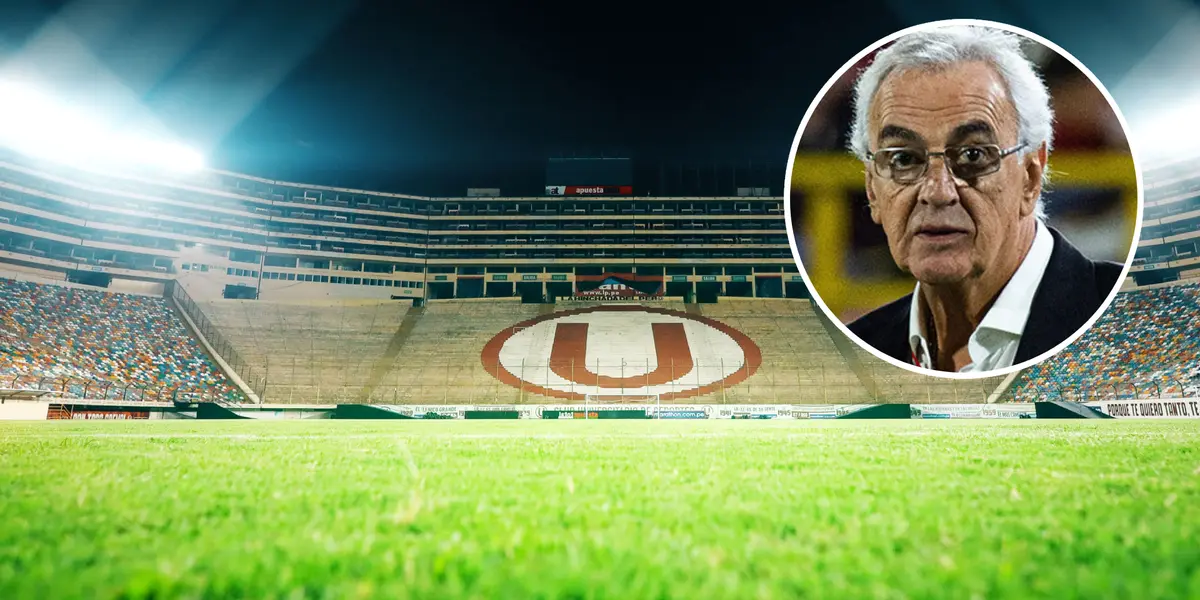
[
  {"x": 310, "y": 353},
  {"x": 898, "y": 385},
  {"x": 1148, "y": 343},
  {"x": 333, "y": 352},
  {"x": 102, "y": 345},
  {"x": 440, "y": 363},
  {"x": 800, "y": 364}
]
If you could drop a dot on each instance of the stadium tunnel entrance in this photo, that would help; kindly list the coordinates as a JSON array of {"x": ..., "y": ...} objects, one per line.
[
  {"x": 531, "y": 292},
  {"x": 499, "y": 289},
  {"x": 559, "y": 289},
  {"x": 470, "y": 287},
  {"x": 439, "y": 290},
  {"x": 707, "y": 292},
  {"x": 795, "y": 289},
  {"x": 739, "y": 289},
  {"x": 768, "y": 287},
  {"x": 684, "y": 289}
]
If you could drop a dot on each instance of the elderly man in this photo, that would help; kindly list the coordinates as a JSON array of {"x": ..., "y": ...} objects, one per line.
[{"x": 955, "y": 126}]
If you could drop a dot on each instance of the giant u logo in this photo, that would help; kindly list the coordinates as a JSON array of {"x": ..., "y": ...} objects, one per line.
[
  {"x": 568, "y": 356},
  {"x": 550, "y": 355}
]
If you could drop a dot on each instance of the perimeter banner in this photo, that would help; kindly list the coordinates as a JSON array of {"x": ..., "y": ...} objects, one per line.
[
  {"x": 101, "y": 415},
  {"x": 1166, "y": 408},
  {"x": 1178, "y": 408}
]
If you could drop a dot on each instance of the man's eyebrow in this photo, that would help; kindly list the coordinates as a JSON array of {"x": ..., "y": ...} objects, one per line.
[
  {"x": 971, "y": 128},
  {"x": 898, "y": 132}
]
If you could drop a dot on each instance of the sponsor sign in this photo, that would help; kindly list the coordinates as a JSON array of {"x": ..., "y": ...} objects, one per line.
[
  {"x": 1006, "y": 411},
  {"x": 681, "y": 414},
  {"x": 1166, "y": 408},
  {"x": 589, "y": 190},
  {"x": 751, "y": 412},
  {"x": 429, "y": 412},
  {"x": 947, "y": 411}
]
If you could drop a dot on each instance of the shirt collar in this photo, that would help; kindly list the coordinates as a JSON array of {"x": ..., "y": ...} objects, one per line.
[{"x": 1008, "y": 313}]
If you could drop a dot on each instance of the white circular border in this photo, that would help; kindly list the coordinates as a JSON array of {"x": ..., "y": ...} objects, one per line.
[{"x": 787, "y": 208}]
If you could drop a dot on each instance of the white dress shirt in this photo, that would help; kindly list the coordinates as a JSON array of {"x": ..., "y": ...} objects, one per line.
[{"x": 993, "y": 345}]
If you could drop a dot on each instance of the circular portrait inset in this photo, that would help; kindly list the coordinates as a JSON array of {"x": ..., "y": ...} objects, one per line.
[{"x": 962, "y": 199}]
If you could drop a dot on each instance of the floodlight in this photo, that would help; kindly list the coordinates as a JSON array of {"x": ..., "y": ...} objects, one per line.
[{"x": 33, "y": 123}]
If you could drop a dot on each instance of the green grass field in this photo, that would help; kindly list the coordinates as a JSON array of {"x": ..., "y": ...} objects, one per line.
[{"x": 600, "y": 509}]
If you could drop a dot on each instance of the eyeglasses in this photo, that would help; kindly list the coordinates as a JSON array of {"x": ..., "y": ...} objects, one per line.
[{"x": 907, "y": 165}]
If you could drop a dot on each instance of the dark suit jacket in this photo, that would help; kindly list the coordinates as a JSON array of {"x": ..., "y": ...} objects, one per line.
[{"x": 1071, "y": 291}]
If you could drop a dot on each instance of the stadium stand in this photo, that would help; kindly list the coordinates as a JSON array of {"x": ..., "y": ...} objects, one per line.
[
  {"x": 439, "y": 361},
  {"x": 317, "y": 352},
  {"x": 390, "y": 298},
  {"x": 442, "y": 364},
  {"x": 800, "y": 362},
  {"x": 1146, "y": 344},
  {"x": 99, "y": 344}
]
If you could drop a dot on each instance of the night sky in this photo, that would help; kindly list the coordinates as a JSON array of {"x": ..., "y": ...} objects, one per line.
[
  {"x": 433, "y": 97},
  {"x": 435, "y": 100}
]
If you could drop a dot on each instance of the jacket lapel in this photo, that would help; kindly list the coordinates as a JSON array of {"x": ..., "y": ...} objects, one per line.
[{"x": 1063, "y": 302}]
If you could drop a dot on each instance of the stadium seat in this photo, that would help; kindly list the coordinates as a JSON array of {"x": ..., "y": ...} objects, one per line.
[
  {"x": 103, "y": 345},
  {"x": 1145, "y": 344}
]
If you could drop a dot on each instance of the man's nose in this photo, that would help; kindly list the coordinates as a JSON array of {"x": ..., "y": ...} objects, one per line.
[{"x": 938, "y": 186}]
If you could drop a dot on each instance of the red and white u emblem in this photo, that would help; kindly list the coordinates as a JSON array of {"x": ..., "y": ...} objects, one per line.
[{"x": 624, "y": 349}]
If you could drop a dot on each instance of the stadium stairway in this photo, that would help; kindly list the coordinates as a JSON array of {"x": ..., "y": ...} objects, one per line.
[
  {"x": 384, "y": 364},
  {"x": 848, "y": 350}
]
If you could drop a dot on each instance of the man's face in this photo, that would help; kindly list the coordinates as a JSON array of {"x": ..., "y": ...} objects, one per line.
[{"x": 941, "y": 228}]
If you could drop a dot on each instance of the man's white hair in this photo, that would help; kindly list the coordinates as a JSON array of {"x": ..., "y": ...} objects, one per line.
[{"x": 939, "y": 48}]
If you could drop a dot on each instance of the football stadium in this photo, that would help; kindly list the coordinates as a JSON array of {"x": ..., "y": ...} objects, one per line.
[
  {"x": 155, "y": 296},
  {"x": 179, "y": 303},
  {"x": 216, "y": 383}
]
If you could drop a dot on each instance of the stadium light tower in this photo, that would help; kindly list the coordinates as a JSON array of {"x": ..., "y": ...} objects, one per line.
[{"x": 33, "y": 123}]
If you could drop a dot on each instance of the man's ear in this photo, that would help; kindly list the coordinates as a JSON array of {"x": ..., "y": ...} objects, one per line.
[
  {"x": 871, "y": 197},
  {"x": 1034, "y": 164}
]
